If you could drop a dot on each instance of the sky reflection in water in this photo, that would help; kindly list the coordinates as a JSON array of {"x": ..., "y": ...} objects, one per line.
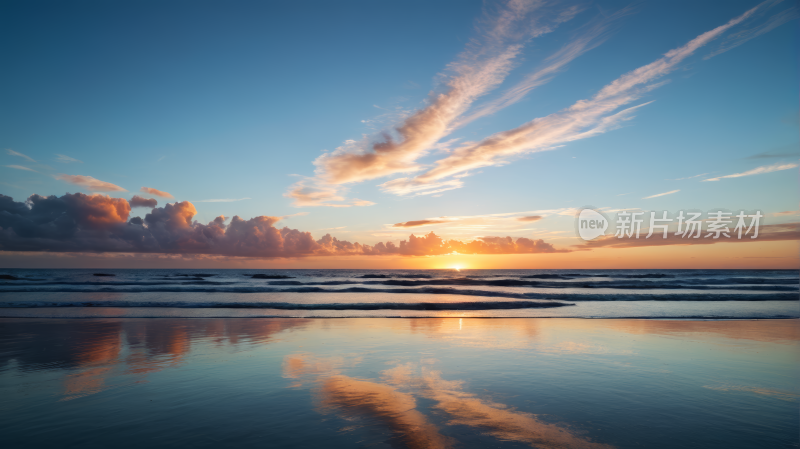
[{"x": 417, "y": 383}]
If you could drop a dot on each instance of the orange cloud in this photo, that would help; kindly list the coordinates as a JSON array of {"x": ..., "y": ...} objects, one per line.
[
  {"x": 530, "y": 218},
  {"x": 392, "y": 408},
  {"x": 90, "y": 183},
  {"x": 414, "y": 224},
  {"x": 91, "y": 223},
  {"x": 585, "y": 118},
  {"x": 151, "y": 191},
  {"x": 480, "y": 68}
]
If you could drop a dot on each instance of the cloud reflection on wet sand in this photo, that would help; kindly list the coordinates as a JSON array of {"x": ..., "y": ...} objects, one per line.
[
  {"x": 93, "y": 352},
  {"x": 390, "y": 405}
]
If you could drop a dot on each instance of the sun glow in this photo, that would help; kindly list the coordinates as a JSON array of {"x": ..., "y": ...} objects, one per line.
[{"x": 457, "y": 267}]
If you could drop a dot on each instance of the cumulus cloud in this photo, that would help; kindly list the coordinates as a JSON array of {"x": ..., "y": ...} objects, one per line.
[
  {"x": 67, "y": 159},
  {"x": 20, "y": 167},
  {"x": 90, "y": 183},
  {"x": 586, "y": 118},
  {"x": 481, "y": 67},
  {"x": 155, "y": 192},
  {"x": 99, "y": 223},
  {"x": 757, "y": 171},
  {"x": 14, "y": 153},
  {"x": 138, "y": 201},
  {"x": 661, "y": 194}
]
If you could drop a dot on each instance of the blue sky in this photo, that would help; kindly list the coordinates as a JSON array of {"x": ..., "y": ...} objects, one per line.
[{"x": 213, "y": 100}]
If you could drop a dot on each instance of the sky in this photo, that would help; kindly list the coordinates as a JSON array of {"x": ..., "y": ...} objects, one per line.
[{"x": 147, "y": 128}]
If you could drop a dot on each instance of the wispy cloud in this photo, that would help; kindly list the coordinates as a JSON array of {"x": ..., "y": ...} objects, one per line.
[
  {"x": 90, "y": 183},
  {"x": 688, "y": 177},
  {"x": 594, "y": 35},
  {"x": 584, "y": 119},
  {"x": 310, "y": 192},
  {"x": 481, "y": 67},
  {"x": 775, "y": 154},
  {"x": 418, "y": 223},
  {"x": 757, "y": 171},
  {"x": 743, "y": 36},
  {"x": 14, "y": 153},
  {"x": 156, "y": 192},
  {"x": 661, "y": 194},
  {"x": 67, "y": 159},
  {"x": 480, "y": 225},
  {"x": 766, "y": 233},
  {"x": 224, "y": 200},
  {"x": 20, "y": 167}
]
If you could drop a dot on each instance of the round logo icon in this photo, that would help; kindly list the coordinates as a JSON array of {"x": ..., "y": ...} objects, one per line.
[{"x": 591, "y": 224}]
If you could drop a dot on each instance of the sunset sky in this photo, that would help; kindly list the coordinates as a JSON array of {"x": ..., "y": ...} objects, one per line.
[{"x": 372, "y": 121}]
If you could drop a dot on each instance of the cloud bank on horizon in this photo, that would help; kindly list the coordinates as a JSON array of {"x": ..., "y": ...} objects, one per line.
[{"x": 97, "y": 223}]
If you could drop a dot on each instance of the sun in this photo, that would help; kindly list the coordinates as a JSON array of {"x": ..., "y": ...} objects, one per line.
[{"x": 457, "y": 267}]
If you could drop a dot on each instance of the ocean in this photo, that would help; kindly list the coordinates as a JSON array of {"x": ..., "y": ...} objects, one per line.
[
  {"x": 594, "y": 359},
  {"x": 708, "y": 294}
]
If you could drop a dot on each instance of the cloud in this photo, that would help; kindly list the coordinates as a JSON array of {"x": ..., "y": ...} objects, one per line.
[
  {"x": 766, "y": 233},
  {"x": 417, "y": 223},
  {"x": 688, "y": 177},
  {"x": 530, "y": 218},
  {"x": 309, "y": 192},
  {"x": 498, "y": 420},
  {"x": 593, "y": 36},
  {"x": 20, "y": 167},
  {"x": 66, "y": 159},
  {"x": 480, "y": 68},
  {"x": 14, "y": 153},
  {"x": 95, "y": 185},
  {"x": 784, "y": 152},
  {"x": 155, "y": 192},
  {"x": 661, "y": 194},
  {"x": 743, "y": 36},
  {"x": 472, "y": 225},
  {"x": 585, "y": 118},
  {"x": 757, "y": 171},
  {"x": 226, "y": 200},
  {"x": 99, "y": 223},
  {"x": 383, "y": 404},
  {"x": 786, "y": 213},
  {"x": 138, "y": 201}
]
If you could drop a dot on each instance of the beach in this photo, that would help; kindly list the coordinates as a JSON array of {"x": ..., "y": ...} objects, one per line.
[{"x": 382, "y": 382}]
